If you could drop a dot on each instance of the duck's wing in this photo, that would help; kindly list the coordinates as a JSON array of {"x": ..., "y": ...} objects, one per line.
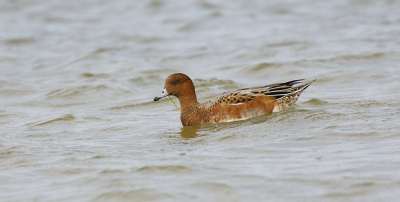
[{"x": 277, "y": 90}]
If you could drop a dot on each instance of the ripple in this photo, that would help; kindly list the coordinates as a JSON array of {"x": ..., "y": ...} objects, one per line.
[
  {"x": 142, "y": 103},
  {"x": 212, "y": 87},
  {"x": 364, "y": 56},
  {"x": 262, "y": 68},
  {"x": 133, "y": 195},
  {"x": 316, "y": 102},
  {"x": 252, "y": 151},
  {"x": 64, "y": 172},
  {"x": 146, "y": 80},
  {"x": 73, "y": 92},
  {"x": 19, "y": 41},
  {"x": 107, "y": 49},
  {"x": 66, "y": 117},
  {"x": 14, "y": 150},
  {"x": 91, "y": 75},
  {"x": 165, "y": 169},
  {"x": 113, "y": 172},
  {"x": 213, "y": 187}
]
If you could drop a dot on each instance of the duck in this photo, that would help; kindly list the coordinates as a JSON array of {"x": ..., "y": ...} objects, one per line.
[{"x": 230, "y": 106}]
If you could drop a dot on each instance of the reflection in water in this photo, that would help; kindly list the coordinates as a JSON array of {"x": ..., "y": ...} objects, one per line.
[
  {"x": 190, "y": 131},
  {"x": 261, "y": 119}
]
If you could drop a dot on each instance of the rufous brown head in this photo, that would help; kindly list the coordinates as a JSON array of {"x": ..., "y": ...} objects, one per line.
[{"x": 177, "y": 85}]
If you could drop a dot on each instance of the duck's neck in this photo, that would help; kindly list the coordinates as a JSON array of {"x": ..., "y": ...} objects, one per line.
[{"x": 187, "y": 100}]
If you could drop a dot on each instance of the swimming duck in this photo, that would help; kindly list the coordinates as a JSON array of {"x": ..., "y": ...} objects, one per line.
[{"x": 236, "y": 105}]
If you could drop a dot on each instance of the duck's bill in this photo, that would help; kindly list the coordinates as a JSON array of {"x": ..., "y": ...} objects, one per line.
[{"x": 163, "y": 95}]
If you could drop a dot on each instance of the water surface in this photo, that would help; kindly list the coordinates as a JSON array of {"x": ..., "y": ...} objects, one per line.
[{"x": 78, "y": 121}]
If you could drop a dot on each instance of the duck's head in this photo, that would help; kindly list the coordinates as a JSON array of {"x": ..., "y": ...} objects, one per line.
[{"x": 177, "y": 85}]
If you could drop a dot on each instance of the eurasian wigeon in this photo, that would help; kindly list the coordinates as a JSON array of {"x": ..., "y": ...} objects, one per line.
[{"x": 230, "y": 106}]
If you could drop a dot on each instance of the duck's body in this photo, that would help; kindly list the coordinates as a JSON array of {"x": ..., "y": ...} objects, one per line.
[{"x": 231, "y": 106}]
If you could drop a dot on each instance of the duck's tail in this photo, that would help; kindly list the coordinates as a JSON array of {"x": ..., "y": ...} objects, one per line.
[{"x": 290, "y": 98}]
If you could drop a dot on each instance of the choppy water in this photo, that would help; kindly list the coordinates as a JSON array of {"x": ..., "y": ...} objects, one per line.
[{"x": 78, "y": 122}]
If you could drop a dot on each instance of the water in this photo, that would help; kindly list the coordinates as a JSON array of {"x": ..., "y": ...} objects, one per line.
[{"x": 78, "y": 122}]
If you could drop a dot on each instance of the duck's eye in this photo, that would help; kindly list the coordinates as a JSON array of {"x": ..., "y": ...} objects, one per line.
[{"x": 174, "y": 82}]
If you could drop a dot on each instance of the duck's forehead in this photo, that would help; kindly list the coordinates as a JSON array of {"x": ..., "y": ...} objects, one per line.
[
  {"x": 170, "y": 78},
  {"x": 176, "y": 76}
]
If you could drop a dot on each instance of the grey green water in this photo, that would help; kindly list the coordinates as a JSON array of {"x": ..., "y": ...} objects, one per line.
[{"x": 77, "y": 120}]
